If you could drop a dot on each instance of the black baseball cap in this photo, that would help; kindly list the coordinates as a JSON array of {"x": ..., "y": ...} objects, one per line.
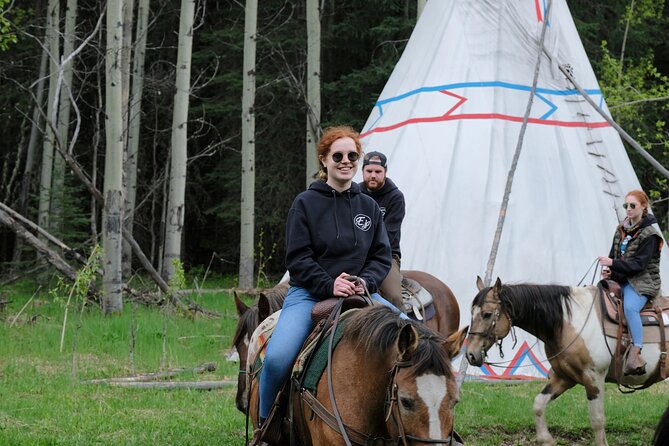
[{"x": 381, "y": 161}]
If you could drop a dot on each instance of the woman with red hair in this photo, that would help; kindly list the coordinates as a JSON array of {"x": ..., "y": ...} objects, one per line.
[{"x": 634, "y": 262}]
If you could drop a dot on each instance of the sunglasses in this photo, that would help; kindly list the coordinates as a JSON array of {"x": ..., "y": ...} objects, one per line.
[
  {"x": 337, "y": 157},
  {"x": 631, "y": 205}
]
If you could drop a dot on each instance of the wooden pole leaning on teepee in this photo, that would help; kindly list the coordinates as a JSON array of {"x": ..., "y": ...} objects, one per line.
[
  {"x": 659, "y": 167},
  {"x": 509, "y": 179}
]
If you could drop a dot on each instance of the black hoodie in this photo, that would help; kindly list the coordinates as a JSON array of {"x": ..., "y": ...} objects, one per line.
[
  {"x": 328, "y": 232},
  {"x": 391, "y": 201}
]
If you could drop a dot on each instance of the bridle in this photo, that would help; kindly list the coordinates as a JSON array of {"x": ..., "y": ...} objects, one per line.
[
  {"x": 392, "y": 409},
  {"x": 353, "y": 436},
  {"x": 489, "y": 333}
]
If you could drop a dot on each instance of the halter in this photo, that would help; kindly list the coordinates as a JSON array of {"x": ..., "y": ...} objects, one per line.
[
  {"x": 489, "y": 333},
  {"x": 393, "y": 409},
  {"x": 354, "y": 436}
]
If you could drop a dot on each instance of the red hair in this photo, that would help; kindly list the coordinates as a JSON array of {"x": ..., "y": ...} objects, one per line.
[
  {"x": 643, "y": 199},
  {"x": 330, "y": 135}
]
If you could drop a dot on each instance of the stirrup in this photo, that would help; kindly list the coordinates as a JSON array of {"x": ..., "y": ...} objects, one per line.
[{"x": 271, "y": 430}]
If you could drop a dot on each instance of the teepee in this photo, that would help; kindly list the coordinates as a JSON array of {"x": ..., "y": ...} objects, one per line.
[{"x": 449, "y": 120}]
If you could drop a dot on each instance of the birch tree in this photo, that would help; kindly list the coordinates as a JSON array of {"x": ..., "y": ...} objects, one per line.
[
  {"x": 53, "y": 47},
  {"x": 313, "y": 86},
  {"x": 134, "y": 120},
  {"x": 113, "y": 182},
  {"x": 35, "y": 131},
  {"x": 69, "y": 38},
  {"x": 420, "y": 5},
  {"x": 248, "y": 147},
  {"x": 176, "y": 201}
]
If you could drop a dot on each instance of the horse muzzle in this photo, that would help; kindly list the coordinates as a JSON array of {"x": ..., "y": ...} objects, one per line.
[{"x": 474, "y": 355}]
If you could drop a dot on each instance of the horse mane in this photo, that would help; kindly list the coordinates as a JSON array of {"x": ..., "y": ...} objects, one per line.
[
  {"x": 377, "y": 328},
  {"x": 538, "y": 309}
]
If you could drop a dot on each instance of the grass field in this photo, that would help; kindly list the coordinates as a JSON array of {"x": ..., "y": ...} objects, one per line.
[{"x": 44, "y": 400}]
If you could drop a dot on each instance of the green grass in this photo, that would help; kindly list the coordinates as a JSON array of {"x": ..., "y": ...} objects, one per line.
[{"x": 43, "y": 403}]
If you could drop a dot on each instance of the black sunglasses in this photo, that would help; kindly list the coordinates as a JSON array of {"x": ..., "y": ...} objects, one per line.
[
  {"x": 337, "y": 157},
  {"x": 631, "y": 205}
]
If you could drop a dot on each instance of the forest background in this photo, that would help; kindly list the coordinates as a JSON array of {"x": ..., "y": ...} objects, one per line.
[{"x": 626, "y": 41}]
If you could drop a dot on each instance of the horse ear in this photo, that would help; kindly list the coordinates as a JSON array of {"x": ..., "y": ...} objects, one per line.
[
  {"x": 407, "y": 342},
  {"x": 455, "y": 341},
  {"x": 241, "y": 306},
  {"x": 498, "y": 286},
  {"x": 263, "y": 307},
  {"x": 479, "y": 283}
]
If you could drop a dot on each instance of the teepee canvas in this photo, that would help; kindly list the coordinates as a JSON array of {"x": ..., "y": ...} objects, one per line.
[{"x": 449, "y": 121}]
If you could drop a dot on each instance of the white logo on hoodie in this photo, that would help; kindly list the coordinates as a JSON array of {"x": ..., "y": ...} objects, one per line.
[{"x": 363, "y": 222}]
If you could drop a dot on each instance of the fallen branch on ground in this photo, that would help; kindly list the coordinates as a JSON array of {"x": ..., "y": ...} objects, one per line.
[
  {"x": 196, "y": 385},
  {"x": 207, "y": 367}
]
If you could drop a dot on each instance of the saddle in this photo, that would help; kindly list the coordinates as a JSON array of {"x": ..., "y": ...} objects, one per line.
[
  {"x": 655, "y": 312},
  {"x": 417, "y": 301},
  {"x": 654, "y": 318}
]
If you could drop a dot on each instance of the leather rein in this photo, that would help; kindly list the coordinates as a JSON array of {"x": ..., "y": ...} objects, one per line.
[
  {"x": 354, "y": 436},
  {"x": 348, "y": 433}
]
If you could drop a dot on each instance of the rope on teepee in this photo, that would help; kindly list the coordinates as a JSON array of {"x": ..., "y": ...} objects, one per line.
[{"x": 659, "y": 167}]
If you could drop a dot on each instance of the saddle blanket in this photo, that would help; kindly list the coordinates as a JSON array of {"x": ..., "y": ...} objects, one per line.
[{"x": 263, "y": 333}]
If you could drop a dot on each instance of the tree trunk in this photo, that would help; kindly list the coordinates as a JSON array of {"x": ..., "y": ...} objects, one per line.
[
  {"x": 53, "y": 17},
  {"x": 113, "y": 182},
  {"x": 134, "y": 120},
  {"x": 248, "y": 147},
  {"x": 175, "y": 208},
  {"x": 313, "y": 87},
  {"x": 420, "y": 5},
  {"x": 35, "y": 131},
  {"x": 58, "y": 182}
]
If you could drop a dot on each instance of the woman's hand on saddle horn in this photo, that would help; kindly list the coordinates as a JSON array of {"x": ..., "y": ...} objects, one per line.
[{"x": 343, "y": 287}]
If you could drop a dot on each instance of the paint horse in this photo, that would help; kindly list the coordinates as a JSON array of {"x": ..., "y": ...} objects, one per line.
[
  {"x": 568, "y": 321},
  {"x": 391, "y": 382},
  {"x": 446, "y": 319}
]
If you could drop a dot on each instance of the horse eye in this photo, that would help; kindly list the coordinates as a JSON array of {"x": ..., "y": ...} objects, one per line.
[
  {"x": 487, "y": 315},
  {"x": 407, "y": 403}
]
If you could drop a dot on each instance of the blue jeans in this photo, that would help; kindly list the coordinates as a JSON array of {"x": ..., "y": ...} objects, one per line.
[
  {"x": 633, "y": 303},
  {"x": 292, "y": 329}
]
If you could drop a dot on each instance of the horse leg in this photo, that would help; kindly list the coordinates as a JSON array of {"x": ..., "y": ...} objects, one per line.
[
  {"x": 555, "y": 387},
  {"x": 595, "y": 393}
]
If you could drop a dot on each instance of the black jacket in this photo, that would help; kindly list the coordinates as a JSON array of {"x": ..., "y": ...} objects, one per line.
[
  {"x": 328, "y": 233},
  {"x": 391, "y": 201}
]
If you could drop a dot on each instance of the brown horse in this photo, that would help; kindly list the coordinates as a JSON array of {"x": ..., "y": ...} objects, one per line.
[
  {"x": 445, "y": 321},
  {"x": 567, "y": 320},
  {"x": 447, "y": 312},
  {"x": 249, "y": 319},
  {"x": 392, "y": 382}
]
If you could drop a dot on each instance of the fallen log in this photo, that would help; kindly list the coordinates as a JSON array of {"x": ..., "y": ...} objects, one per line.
[
  {"x": 195, "y": 385},
  {"x": 207, "y": 367}
]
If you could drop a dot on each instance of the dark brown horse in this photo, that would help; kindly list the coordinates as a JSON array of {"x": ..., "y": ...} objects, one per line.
[
  {"x": 392, "y": 382},
  {"x": 445, "y": 321}
]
